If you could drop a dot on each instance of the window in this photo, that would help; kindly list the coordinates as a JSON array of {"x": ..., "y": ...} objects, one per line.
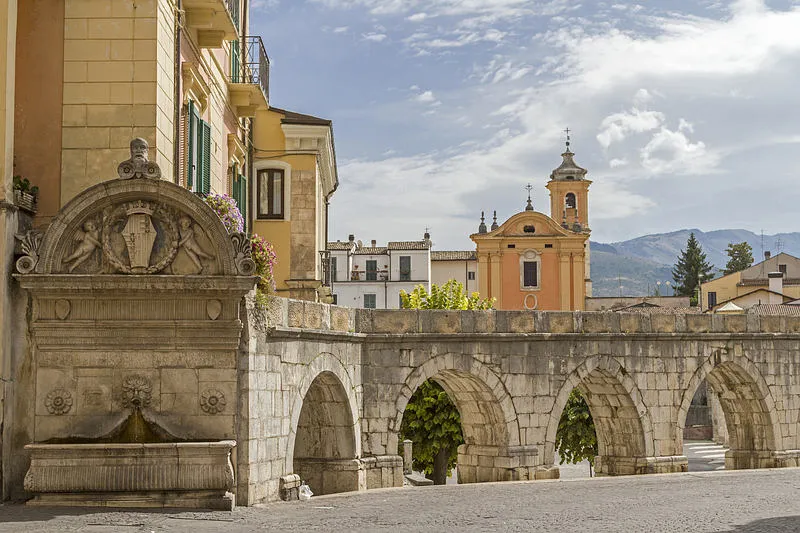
[
  {"x": 512, "y": 245},
  {"x": 530, "y": 274},
  {"x": 270, "y": 193},
  {"x": 236, "y": 65},
  {"x": 372, "y": 270},
  {"x": 405, "y": 268},
  {"x": 370, "y": 301},
  {"x": 712, "y": 299},
  {"x": 471, "y": 276},
  {"x": 550, "y": 246},
  {"x": 335, "y": 298},
  {"x": 782, "y": 268},
  {"x": 198, "y": 176},
  {"x": 333, "y": 269},
  {"x": 569, "y": 201},
  {"x": 239, "y": 193}
]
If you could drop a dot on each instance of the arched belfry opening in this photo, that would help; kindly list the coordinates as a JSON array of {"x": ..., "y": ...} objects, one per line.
[
  {"x": 569, "y": 201},
  {"x": 490, "y": 449},
  {"x": 325, "y": 441},
  {"x": 624, "y": 437},
  {"x": 745, "y": 405}
]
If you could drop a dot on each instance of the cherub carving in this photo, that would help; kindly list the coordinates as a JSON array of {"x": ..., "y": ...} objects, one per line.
[
  {"x": 189, "y": 244},
  {"x": 89, "y": 240}
]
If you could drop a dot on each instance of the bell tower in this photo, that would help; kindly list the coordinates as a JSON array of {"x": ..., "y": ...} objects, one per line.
[{"x": 569, "y": 193}]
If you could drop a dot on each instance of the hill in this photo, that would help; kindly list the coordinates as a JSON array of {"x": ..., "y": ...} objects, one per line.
[{"x": 637, "y": 264}]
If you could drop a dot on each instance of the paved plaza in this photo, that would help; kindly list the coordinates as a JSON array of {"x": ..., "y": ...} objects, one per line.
[{"x": 740, "y": 501}]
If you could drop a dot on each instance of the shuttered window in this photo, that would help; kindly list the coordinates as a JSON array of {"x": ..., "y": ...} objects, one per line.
[
  {"x": 530, "y": 277},
  {"x": 236, "y": 66},
  {"x": 239, "y": 193},
  {"x": 270, "y": 193},
  {"x": 198, "y": 176},
  {"x": 405, "y": 268}
]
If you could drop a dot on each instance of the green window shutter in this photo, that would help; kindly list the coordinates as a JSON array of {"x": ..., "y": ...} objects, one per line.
[
  {"x": 243, "y": 199},
  {"x": 236, "y": 68},
  {"x": 190, "y": 170},
  {"x": 205, "y": 182}
]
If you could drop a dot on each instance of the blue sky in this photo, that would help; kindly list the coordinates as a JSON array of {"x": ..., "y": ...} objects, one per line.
[{"x": 684, "y": 112}]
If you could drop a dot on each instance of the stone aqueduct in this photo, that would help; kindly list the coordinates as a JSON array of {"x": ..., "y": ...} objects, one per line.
[
  {"x": 319, "y": 391},
  {"x": 349, "y": 373}
]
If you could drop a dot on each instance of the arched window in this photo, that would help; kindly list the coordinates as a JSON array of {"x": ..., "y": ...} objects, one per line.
[{"x": 569, "y": 201}]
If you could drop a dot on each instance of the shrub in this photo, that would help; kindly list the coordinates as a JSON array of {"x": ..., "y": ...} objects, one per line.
[{"x": 265, "y": 259}]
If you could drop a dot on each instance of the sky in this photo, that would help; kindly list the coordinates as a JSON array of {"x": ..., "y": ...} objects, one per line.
[{"x": 685, "y": 112}]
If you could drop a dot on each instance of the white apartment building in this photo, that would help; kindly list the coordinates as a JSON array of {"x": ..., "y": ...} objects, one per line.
[
  {"x": 461, "y": 266},
  {"x": 373, "y": 276}
]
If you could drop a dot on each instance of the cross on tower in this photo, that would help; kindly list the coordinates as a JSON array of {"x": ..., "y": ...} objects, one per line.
[
  {"x": 529, "y": 188},
  {"x": 567, "y": 131}
]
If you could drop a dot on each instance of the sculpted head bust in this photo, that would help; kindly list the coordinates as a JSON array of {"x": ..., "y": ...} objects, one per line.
[
  {"x": 139, "y": 149},
  {"x": 139, "y": 166}
]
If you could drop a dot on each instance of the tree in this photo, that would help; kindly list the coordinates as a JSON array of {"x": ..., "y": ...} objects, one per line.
[
  {"x": 433, "y": 424},
  {"x": 431, "y": 421},
  {"x": 741, "y": 257},
  {"x": 691, "y": 270},
  {"x": 576, "y": 438}
]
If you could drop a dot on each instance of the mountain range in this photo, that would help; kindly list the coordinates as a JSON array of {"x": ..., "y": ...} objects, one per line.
[{"x": 634, "y": 267}]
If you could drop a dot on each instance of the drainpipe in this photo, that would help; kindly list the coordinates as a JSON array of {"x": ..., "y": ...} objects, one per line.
[{"x": 176, "y": 152}]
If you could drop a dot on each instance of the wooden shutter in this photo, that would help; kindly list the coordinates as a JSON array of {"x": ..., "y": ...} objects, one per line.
[
  {"x": 236, "y": 68},
  {"x": 243, "y": 199},
  {"x": 191, "y": 147},
  {"x": 205, "y": 177}
]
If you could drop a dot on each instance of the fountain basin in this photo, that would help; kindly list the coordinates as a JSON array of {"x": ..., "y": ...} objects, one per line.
[{"x": 174, "y": 474}]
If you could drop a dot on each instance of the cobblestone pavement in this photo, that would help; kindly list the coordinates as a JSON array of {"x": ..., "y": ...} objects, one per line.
[{"x": 744, "y": 501}]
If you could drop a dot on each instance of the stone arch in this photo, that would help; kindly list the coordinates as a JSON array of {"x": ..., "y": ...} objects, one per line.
[
  {"x": 324, "y": 445},
  {"x": 170, "y": 201},
  {"x": 622, "y": 420},
  {"x": 488, "y": 418},
  {"x": 747, "y": 403}
]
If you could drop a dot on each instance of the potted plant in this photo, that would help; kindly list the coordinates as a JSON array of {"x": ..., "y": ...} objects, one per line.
[{"x": 25, "y": 194}]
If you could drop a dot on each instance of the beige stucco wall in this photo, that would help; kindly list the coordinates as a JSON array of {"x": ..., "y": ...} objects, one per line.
[{"x": 442, "y": 271}]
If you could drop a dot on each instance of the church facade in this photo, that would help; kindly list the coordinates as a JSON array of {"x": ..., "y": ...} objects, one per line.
[{"x": 538, "y": 262}]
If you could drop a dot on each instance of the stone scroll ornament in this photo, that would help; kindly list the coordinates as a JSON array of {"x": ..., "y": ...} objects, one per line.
[
  {"x": 139, "y": 166},
  {"x": 244, "y": 254},
  {"x": 29, "y": 242}
]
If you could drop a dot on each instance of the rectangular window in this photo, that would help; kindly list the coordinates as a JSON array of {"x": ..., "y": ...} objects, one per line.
[
  {"x": 530, "y": 277},
  {"x": 370, "y": 301},
  {"x": 372, "y": 270},
  {"x": 270, "y": 193},
  {"x": 405, "y": 268},
  {"x": 471, "y": 276},
  {"x": 550, "y": 246},
  {"x": 782, "y": 268},
  {"x": 712, "y": 299},
  {"x": 333, "y": 269},
  {"x": 198, "y": 176},
  {"x": 236, "y": 66},
  {"x": 512, "y": 245},
  {"x": 335, "y": 299}
]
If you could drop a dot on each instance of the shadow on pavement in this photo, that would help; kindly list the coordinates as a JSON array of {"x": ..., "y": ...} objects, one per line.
[{"x": 771, "y": 525}]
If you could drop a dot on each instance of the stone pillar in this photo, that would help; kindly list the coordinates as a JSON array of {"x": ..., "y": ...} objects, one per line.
[
  {"x": 408, "y": 460},
  {"x": 496, "y": 281},
  {"x": 480, "y": 464},
  {"x": 8, "y": 217}
]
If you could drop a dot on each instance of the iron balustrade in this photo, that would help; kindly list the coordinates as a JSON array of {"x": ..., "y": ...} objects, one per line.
[
  {"x": 254, "y": 65},
  {"x": 233, "y": 9}
]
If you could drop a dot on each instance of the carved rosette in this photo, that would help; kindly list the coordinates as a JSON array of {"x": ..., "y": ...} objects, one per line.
[
  {"x": 58, "y": 401},
  {"x": 29, "y": 242},
  {"x": 136, "y": 391},
  {"x": 243, "y": 254},
  {"x": 139, "y": 237},
  {"x": 212, "y": 401}
]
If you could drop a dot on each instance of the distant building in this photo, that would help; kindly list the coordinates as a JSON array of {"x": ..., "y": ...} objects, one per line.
[
  {"x": 461, "y": 266},
  {"x": 618, "y": 303},
  {"x": 774, "y": 281},
  {"x": 535, "y": 261},
  {"x": 373, "y": 276}
]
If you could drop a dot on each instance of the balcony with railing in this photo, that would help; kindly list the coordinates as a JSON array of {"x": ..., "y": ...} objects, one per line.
[
  {"x": 248, "y": 83},
  {"x": 216, "y": 21}
]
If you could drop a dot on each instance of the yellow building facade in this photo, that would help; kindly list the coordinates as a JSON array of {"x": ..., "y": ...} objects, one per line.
[
  {"x": 536, "y": 261},
  {"x": 736, "y": 285}
]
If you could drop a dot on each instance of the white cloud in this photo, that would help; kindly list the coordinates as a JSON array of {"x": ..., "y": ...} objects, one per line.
[
  {"x": 374, "y": 37},
  {"x": 417, "y": 17},
  {"x": 616, "y": 127},
  {"x": 341, "y": 29},
  {"x": 425, "y": 97},
  {"x": 671, "y": 152}
]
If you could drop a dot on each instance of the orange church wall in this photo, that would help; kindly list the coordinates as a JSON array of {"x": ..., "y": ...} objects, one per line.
[{"x": 513, "y": 297}]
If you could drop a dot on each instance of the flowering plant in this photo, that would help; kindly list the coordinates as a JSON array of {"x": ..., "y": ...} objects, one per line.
[
  {"x": 227, "y": 210},
  {"x": 265, "y": 259}
]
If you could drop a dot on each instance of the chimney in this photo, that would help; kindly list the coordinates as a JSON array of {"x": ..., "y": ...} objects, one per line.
[
  {"x": 374, "y": 243},
  {"x": 775, "y": 286},
  {"x": 767, "y": 255},
  {"x": 351, "y": 237}
]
